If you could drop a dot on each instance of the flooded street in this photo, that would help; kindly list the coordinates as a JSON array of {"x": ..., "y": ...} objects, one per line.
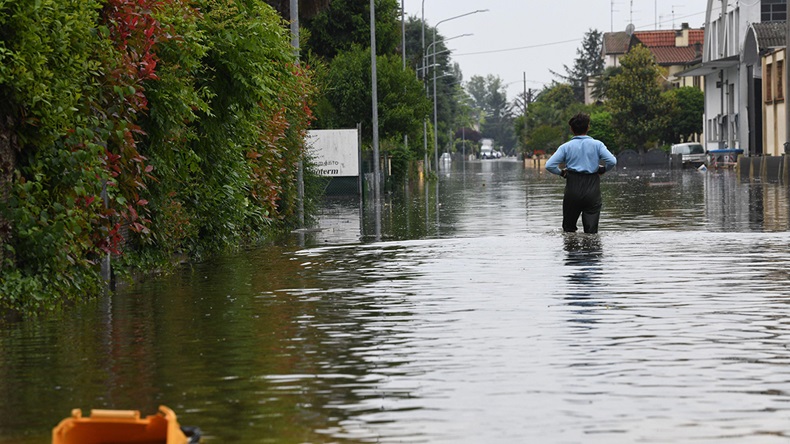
[{"x": 461, "y": 315}]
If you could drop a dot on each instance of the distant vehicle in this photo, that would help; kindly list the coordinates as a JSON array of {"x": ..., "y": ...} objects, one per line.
[
  {"x": 446, "y": 158},
  {"x": 487, "y": 149},
  {"x": 691, "y": 154}
]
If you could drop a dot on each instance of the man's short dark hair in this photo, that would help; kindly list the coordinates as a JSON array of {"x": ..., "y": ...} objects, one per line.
[{"x": 580, "y": 123}]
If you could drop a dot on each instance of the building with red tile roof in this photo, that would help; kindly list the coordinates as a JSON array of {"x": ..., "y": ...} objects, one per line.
[{"x": 676, "y": 50}]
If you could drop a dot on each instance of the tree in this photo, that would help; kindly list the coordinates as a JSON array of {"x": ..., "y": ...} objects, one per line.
[
  {"x": 553, "y": 107},
  {"x": 601, "y": 84},
  {"x": 601, "y": 129},
  {"x": 402, "y": 101},
  {"x": 346, "y": 23},
  {"x": 489, "y": 95},
  {"x": 638, "y": 109},
  {"x": 588, "y": 63},
  {"x": 545, "y": 138},
  {"x": 686, "y": 106},
  {"x": 181, "y": 120},
  {"x": 307, "y": 8}
]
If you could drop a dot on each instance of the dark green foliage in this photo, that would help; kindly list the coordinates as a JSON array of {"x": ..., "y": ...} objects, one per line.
[
  {"x": 141, "y": 129},
  {"x": 402, "y": 102},
  {"x": 588, "y": 63},
  {"x": 488, "y": 94},
  {"x": 639, "y": 111},
  {"x": 52, "y": 164},
  {"x": 546, "y": 124},
  {"x": 686, "y": 106},
  {"x": 346, "y": 23},
  {"x": 601, "y": 129},
  {"x": 601, "y": 83}
]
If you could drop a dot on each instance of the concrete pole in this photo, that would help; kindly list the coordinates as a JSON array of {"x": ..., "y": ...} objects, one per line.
[
  {"x": 435, "y": 123},
  {"x": 787, "y": 82},
  {"x": 403, "y": 31},
  {"x": 403, "y": 56},
  {"x": 424, "y": 119},
  {"x": 375, "y": 103},
  {"x": 300, "y": 165}
]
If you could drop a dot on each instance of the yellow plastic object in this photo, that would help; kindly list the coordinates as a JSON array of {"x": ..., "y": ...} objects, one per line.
[{"x": 119, "y": 427}]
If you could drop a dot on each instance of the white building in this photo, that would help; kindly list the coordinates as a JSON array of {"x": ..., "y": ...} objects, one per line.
[{"x": 732, "y": 67}]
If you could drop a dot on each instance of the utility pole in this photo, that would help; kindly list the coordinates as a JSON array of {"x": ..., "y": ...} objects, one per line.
[
  {"x": 787, "y": 83},
  {"x": 403, "y": 56},
  {"x": 300, "y": 165},
  {"x": 374, "y": 104}
]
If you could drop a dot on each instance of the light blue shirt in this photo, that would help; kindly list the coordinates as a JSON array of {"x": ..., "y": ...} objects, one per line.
[{"x": 582, "y": 154}]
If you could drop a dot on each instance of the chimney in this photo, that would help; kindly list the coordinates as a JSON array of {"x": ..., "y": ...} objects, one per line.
[{"x": 682, "y": 36}]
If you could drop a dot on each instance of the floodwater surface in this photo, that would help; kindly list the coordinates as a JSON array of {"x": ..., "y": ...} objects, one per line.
[{"x": 461, "y": 314}]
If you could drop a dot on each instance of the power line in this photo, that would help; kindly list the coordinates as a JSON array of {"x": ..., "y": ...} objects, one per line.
[
  {"x": 542, "y": 45},
  {"x": 519, "y": 48},
  {"x": 661, "y": 22}
]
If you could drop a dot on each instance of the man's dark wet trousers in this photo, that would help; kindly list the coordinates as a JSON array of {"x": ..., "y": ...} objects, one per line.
[{"x": 582, "y": 196}]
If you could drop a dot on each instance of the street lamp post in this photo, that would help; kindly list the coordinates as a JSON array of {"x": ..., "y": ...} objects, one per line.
[
  {"x": 425, "y": 120},
  {"x": 435, "y": 114},
  {"x": 374, "y": 104}
]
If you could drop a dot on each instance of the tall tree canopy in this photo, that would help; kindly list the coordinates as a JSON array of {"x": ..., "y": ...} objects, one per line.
[
  {"x": 588, "y": 63},
  {"x": 685, "y": 108},
  {"x": 489, "y": 95},
  {"x": 402, "y": 101},
  {"x": 346, "y": 23},
  {"x": 638, "y": 109}
]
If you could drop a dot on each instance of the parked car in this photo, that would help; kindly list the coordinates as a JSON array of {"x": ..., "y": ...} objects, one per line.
[{"x": 691, "y": 154}]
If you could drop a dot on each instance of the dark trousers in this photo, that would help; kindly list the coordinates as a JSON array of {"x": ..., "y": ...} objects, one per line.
[{"x": 582, "y": 197}]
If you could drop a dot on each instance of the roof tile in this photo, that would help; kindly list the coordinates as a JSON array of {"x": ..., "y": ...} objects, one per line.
[{"x": 674, "y": 56}]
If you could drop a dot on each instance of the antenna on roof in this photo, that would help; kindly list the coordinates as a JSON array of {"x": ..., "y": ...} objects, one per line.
[
  {"x": 673, "y": 14},
  {"x": 611, "y": 16},
  {"x": 655, "y": 13}
]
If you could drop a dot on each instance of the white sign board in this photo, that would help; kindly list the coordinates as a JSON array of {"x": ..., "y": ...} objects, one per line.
[{"x": 335, "y": 153}]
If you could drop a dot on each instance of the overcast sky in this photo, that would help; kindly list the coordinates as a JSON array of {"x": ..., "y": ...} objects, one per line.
[{"x": 535, "y": 36}]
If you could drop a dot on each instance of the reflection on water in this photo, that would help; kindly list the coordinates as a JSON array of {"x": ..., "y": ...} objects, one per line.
[
  {"x": 473, "y": 319},
  {"x": 583, "y": 264}
]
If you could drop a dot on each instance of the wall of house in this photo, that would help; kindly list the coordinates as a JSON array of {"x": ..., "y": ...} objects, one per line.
[
  {"x": 723, "y": 116},
  {"x": 726, "y": 115},
  {"x": 678, "y": 82},
  {"x": 733, "y": 24},
  {"x": 773, "y": 100},
  {"x": 612, "y": 61}
]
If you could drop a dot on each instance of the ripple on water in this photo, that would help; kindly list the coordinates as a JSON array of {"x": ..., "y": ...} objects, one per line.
[{"x": 618, "y": 337}]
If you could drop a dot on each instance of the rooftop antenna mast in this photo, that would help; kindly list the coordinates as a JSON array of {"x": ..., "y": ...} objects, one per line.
[
  {"x": 611, "y": 16},
  {"x": 673, "y": 14},
  {"x": 631, "y": 18}
]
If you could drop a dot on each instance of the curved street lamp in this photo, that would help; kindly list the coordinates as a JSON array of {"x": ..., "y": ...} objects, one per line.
[{"x": 435, "y": 132}]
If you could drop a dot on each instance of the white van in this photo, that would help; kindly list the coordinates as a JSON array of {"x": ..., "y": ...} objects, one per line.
[
  {"x": 691, "y": 154},
  {"x": 486, "y": 149}
]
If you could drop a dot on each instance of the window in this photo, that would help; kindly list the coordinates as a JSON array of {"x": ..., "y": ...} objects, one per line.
[
  {"x": 773, "y": 10},
  {"x": 768, "y": 82},
  {"x": 780, "y": 74}
]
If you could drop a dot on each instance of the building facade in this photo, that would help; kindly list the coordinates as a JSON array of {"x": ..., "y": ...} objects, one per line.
[
  {"x": 737, "y": 35},
  {"x": 674, "y": 50}
]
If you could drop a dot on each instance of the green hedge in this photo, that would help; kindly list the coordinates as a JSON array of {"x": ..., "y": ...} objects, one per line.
[{"x": 141, "y": 129}]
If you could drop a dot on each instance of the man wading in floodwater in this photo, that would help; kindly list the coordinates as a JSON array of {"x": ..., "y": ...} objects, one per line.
[{"x": 582, "y": 156}]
